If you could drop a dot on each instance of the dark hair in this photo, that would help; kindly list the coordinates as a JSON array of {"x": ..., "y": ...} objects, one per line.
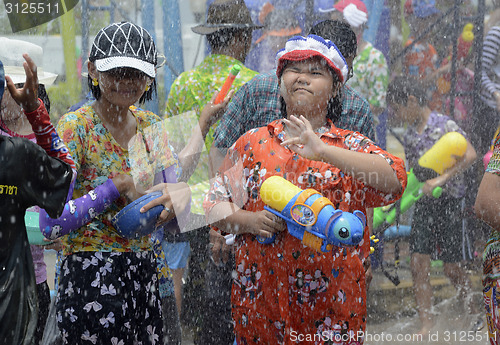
[
  {"x": 221, "y": 38},
  {"x": 334, "y": 110},
  {"x": 340, "y": 33},
  {"x": 42, "y": 94},
  {"x": 403, "y": 86},
  {"x": 146, "y": 96}
]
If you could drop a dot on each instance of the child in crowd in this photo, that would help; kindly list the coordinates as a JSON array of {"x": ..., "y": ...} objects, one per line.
[
  {"x": 118, "y": 275},
  {"x": 13, "y": 123},
  {"x": 422, "y": 60},
  {"x": 436, "y": 222},
  {"x": 22, "y": 186},
  {"x": 268, "y": 298}
]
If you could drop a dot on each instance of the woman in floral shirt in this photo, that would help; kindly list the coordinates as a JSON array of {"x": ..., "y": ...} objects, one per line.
[
  {"x": 108, "y": 292},
  {"x": 285, "y": 292}
]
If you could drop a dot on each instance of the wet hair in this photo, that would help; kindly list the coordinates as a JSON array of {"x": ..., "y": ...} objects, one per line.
[
  {"x": 221, "y": 38},
  {"x": 334, "y": 110},
  {"x": 401, "y": 87},
  {"x": 146, "y": 96},
  {"x": 340, "y": 33}
]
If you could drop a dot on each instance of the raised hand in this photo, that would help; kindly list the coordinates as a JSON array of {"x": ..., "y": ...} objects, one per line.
[
  {"x": 212, "y": 112},
  {"x": 27, "y": 96},
  {"x": 300, "y": 138}
]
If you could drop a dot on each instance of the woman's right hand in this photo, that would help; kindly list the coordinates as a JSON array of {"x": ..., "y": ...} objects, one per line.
[
  {"x": 126, "y": 187},
  {"x": 264, "y": 223}
]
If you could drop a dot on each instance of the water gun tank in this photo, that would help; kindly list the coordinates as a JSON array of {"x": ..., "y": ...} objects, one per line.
[{"x": 442, "y": 155}]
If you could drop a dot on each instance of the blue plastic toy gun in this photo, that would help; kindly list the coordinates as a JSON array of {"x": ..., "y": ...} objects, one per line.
[{"x": 311, "y": 217}]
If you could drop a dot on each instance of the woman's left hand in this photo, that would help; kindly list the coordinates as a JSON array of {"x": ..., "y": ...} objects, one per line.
[
  {"x": 176, "y": 197},
  {"x": 27, "y": 96},
  {"x": 300, "y": 138}
]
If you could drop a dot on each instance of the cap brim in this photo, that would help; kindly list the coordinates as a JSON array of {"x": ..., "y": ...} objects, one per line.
[
  {"x": 207, "y": 29},
  {"x": 301, "y": 55},
  {"x": 106, "y": 64}
]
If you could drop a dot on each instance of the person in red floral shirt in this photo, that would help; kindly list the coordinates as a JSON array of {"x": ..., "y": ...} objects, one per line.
[{"x": 285, "y": 292}]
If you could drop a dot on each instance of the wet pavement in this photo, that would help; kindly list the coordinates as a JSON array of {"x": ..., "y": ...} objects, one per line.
[
  {"x": 392, "y": 313},
  {"x": 392, "y": 316}
]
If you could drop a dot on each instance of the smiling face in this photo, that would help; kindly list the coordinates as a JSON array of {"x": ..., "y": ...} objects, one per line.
[
  {"x": 307, "y": 86},
  {"x": 122, "y": 87}
]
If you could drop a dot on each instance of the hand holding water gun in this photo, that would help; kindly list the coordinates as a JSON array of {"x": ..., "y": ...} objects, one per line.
[
  {"x": 227, "y": 84},
  {"x": 437, "y": 160},
  {"x": 411, "y": 195},
  {"x": 310, "y": 217}
]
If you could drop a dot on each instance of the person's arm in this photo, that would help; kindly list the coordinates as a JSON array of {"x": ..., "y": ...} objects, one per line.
[
  {"x": 231, "y": 126},
  {"x": 228, "y": 217},
  {"x": 47, "y": 137},
  {"x": 80, "y": 211},
  {"x": 460, "y": 166},
  {"x": 190, "y": 154},
  {"x": 487, "y": 206},
  {"x": 226, "y": 199},
  {"x": 37, "y": 115},
  {"x": 370, "y": 169},
  {"x": 491, "y": 50}
]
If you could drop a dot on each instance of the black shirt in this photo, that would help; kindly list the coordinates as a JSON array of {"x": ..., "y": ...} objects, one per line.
[{"x": 28, "y": 177}]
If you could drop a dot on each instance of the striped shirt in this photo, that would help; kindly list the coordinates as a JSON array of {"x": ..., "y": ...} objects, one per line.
[
  {"x": 490, "y": 72},
  {"x": 256, "y": 104}
]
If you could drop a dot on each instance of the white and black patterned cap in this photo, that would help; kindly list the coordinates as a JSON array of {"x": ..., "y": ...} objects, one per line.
[{"x": 124, "y": 45}]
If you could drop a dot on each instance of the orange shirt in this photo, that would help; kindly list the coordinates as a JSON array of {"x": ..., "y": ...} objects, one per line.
[{"x": 285, "y": 287}]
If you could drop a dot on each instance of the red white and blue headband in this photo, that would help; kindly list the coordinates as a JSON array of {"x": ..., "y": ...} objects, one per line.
[{"x": 300, "y": 48}]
